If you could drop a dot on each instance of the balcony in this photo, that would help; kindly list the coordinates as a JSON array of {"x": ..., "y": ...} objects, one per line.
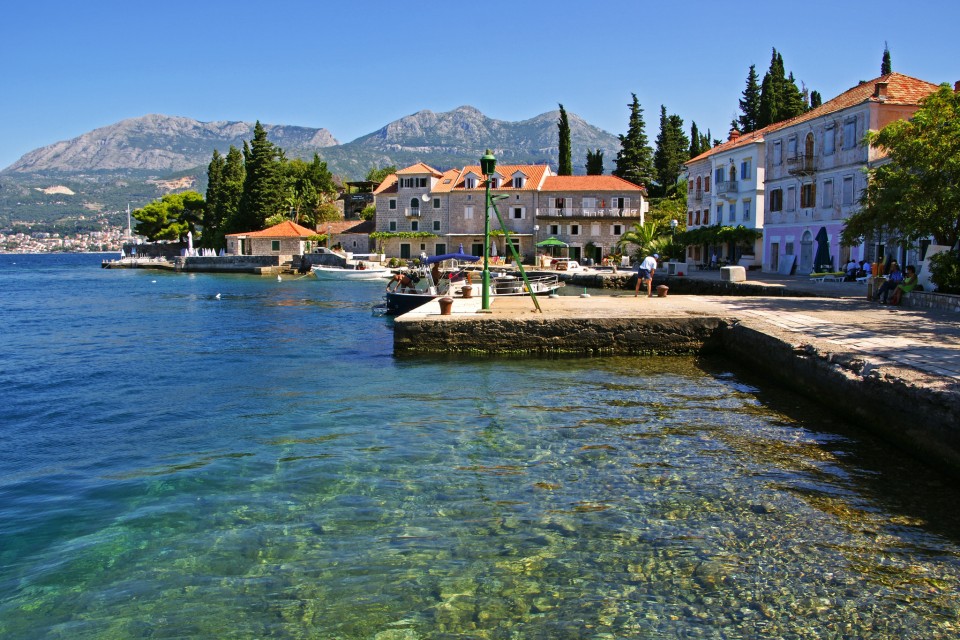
[
  {"x": 412, "y": 213},
  {"x": 697, "y": 195},
  {"x": 802, "y": 165},
  {"x": 588, "y": 212},
  {"x": 723, "y": 187}
]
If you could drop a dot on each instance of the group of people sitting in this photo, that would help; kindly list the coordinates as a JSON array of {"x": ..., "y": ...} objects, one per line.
[
  {"x": 856, "y": 269},
  {"x": 898, "y": 283}
]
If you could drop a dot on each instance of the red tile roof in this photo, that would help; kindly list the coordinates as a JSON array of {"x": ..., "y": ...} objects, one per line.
[
  {"x": 901, "y": 90},
  {"x": 534, "y": 173},
  {"x": 418, "y": 169},
  {"x": 286, "y": 229},
  {"x": 589, "y": 183},
  {"x": 389, "y": 185}
]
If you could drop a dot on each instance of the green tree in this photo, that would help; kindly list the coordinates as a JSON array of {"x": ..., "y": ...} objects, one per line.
[
  {"x": 595, "y": 162},
  {"x": 635, "y": 158},
  {"x": 815, "y": 99},
  {"x": 645, "y": 237},
  {"x": 750, "y": 102},
  {"x": 308, "y": 187},
  {"x": 212, "y": 224},
  {"x": 565, "y": 167},
  {"x": 886, "y": 66},
  {"x": 780, "y": 98},
  {"x": 228, "y": 198},
  {"x": 673, "y": 149},
  {"x": 263, "y": 186},
  {"x": 379, "y": 175},
  {"x": 917, "y": 193},
  {"x": 171, "y": 217}
]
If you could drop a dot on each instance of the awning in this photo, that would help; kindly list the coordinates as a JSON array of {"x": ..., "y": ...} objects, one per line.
[{"x": 552, "y": 242}]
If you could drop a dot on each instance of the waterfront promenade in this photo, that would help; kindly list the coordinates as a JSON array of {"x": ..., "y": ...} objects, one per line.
[{"x": 893, "y": 370}]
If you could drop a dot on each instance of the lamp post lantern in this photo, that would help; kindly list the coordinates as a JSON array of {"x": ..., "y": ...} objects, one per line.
[{"x": 488, "y": 165}]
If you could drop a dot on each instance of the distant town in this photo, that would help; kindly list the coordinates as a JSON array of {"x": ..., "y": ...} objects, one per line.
[{"x": 111, "y": 238}]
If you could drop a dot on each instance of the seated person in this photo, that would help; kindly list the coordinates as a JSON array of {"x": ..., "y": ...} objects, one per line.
[
  {"x": 852, "y": 268},
  {"x": 909, "y": 284},
  {"x": 894, "y": 277}
]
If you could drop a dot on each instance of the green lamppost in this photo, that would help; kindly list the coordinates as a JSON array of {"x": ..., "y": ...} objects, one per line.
[{"x": 488, "y": 165}]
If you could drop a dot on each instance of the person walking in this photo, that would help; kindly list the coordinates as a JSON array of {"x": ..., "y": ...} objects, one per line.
[{"x": 645, "y": 273}]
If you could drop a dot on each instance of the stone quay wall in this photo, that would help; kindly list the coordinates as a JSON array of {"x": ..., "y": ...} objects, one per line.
[{"x": 228, "y": 264}]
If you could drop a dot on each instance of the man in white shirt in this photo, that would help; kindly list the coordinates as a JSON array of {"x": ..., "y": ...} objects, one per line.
[
  {"x": 852, "y": 268},
  {"x": 645, "y": 274}
]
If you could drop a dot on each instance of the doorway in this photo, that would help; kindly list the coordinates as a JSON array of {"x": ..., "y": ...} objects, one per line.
[{"x": 806, "y": 253}]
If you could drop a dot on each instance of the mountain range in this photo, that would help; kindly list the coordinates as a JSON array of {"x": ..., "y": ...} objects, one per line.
[{"x": 137, "y": 160}]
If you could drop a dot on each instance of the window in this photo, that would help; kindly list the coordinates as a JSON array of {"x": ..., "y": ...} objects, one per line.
[
  {"x": 617, "y": 230},
  {"x": 415, "y": 203},
  {"x": 792, "y": 147},
  {"x": 518, "y": 182},
  {"x": 554, "y": 229},
  {"x": 696, "y": 218},
  {"x": 436, "y": 225},
  {"x": 574, "y": 229},
  {"x": 827, "y": 194},
  {"x": 393, "y": 225},
  {"x": 439, "y": 249},
  {"x": 404, "y": 251},
  {"x": 732, "y": 214},
  {"x": 746, "y": 209},
  {"x": 788, "y": 249},
  {"x": 468, "y": 213},
  {"x": 436, "y": 203},
  {"x": 689, "y": 186},
  {"x": 275, "y": 245},
  {"x": 790, "y": 204},
  {"x": 595, "y": 229},
  {"x": 414, "y": 225},
  {"x": 421, "y": 183},
  {"x": 706, "y": 216},
  {"x": 470, "y": 183},
  {"x": 720, "y": 212},
  {"x": 494, "y": 182},
  {"x": 777, "y": 153},
  {"x": 776, "y": 199},
  {"x": 719, "y": 174},
  {"x": 690, "y": 218},
  {"x": 393, "y": 203},
  {"x": 829, "y": 140},
  {"x": 517, "y": 213},
  {"x": 848, "y": 190},
  {"x": 850, "y": 133},
  {"x": 706, "y": 184},
  {"x": 808, "y": 195},
  {"x": 746, "y": 169}
]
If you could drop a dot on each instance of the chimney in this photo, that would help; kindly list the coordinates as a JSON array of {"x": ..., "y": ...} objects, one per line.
[
  {"x": 734, "y": 135},
  {"x": 880, "y": 91}
]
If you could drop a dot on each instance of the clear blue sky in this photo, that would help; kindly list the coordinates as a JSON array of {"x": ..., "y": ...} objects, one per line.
[{"x": 352, "y": 67}]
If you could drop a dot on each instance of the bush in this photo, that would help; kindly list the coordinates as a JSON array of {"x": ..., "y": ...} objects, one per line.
[{"x": 945, "y": 272}]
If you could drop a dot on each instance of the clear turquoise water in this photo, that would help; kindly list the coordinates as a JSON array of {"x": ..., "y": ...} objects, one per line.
[{"x": 175, "y": 465}]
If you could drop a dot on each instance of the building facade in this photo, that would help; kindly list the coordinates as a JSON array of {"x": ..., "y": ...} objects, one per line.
[
  {"x": 815, "y": 172},
  {"x": 422, "y": 210}
]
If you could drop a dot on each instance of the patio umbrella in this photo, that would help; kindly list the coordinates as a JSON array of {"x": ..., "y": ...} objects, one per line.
[
  {"x": 551, "y": 242},
  {"x": 822, "y": 256}
]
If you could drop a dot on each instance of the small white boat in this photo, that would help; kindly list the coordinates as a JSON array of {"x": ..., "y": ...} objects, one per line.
[{"x": 359, "y": 272}]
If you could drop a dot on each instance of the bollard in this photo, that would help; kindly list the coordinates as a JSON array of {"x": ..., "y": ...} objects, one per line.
[
  {"x": 467, "y": 291},
  {"x": 446, "y": 305},
  {"x": 662, "y": 291}
]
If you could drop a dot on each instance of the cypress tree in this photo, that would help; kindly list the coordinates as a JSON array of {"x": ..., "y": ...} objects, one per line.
[
  {"x": 780, "y": 98},
  {"x": 695, "y": 148},
  {"x": 672, "y": 151},
  {"x": 263, "y": 185},
  {"x": 750, "y": 103},
  {"x": 595, "y": 162},
  {"x": 635, "y": 158},
  {"x": 566, "y": 163},
  {"x": 794, "y": 103},
  {"x": 212, "y": 224},
  {"x": 228, "y": 199},
  {"x": 886, "y": 67},
  {"x": 815, "y": 99}
]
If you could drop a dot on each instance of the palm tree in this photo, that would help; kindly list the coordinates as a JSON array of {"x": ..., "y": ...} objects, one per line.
[{"x": 646, "y": 238}]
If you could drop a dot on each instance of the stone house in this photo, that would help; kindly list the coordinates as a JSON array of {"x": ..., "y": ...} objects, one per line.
[
  {"x": 286, "y": 239},
  {"x": 436, "y": 212},
  {"x": 815, "y": 170}
]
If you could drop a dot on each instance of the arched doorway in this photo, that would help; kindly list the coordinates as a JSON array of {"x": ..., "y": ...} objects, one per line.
[{"x": 806, "y": 253}]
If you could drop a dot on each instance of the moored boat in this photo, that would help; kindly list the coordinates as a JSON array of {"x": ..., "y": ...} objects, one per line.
[{"x": 359, "y": 272}]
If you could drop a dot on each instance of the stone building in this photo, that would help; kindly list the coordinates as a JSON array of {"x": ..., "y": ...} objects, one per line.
[
  {"x": 286, "y": 239},
  {"x": 436, "y": 212}
]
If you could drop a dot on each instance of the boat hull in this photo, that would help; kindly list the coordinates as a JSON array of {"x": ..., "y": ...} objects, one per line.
[{"x": 340, "y": 273}]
